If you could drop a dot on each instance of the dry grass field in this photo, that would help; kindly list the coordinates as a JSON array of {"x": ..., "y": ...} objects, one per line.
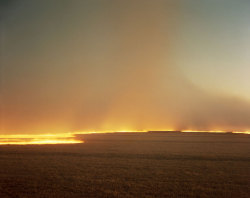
[{"x": 130, "y": 165}]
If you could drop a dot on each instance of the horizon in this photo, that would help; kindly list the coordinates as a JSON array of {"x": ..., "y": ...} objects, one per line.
[{"x": 72, "y": 137}]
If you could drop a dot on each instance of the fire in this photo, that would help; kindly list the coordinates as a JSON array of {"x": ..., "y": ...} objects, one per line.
[
  {"x": 65, "y": 138},
  {"x": 204, "y": 131},
  {"x": 59, "y": 138},
  {"x": 108, "y": 131},
  {"x": 40, "y": 141},
  {"x": 216, "y": 131},
  {"x": 70, "y": 138},
  {"x": 242, "y": 132}
]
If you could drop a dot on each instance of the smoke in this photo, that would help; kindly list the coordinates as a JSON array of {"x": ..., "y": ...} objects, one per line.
[
  {"x": 90, "y": 65},
  {"x": 149, "y": 92}
]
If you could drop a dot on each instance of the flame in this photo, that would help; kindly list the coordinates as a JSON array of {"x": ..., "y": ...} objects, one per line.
[
  {"x": 25, "y": 139},
  {"x": 108, "y": 131},
  {"x": 70, "y": 138},
  {"x": 204, "y": 131},
  {"x": 242, "y": 132},
  {"x": 215, "y": 131},
  {"x": 41, "y": 141},
  {"x": 58, "y": 138}
]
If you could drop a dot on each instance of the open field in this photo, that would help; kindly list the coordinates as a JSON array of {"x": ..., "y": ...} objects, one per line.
[{"x": 130, "y": 165}]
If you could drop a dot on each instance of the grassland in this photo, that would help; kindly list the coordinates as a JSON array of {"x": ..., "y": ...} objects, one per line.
[{"x": 130, "y": 165}]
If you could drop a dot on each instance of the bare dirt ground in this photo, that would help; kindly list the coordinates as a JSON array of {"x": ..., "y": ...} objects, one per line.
[{"x": 130, "y": 165}]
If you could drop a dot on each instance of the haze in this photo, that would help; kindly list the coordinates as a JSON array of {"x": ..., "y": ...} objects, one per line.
[{"x": 112, "y": 65}]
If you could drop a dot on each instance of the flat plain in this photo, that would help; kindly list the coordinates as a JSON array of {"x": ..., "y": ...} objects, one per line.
[{"x": 153, "y": 164}]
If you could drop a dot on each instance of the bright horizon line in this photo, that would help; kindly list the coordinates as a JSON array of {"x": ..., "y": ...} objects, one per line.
[
  {"x": 73, "y": 133},
  {"x": 70, "y": 137}
]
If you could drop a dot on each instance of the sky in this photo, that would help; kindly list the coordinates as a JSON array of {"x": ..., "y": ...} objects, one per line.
[{"x": 108, "y": 65}]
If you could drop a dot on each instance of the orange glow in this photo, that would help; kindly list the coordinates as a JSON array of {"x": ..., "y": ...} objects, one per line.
[
  {"x": 216, "y": 131},
  {"x": 242, "y": 132},
  {"x": 204, "y": 131},
  {"x": 119, "y": 131},
  {"x": 64, "y": 138},
  {"x": 40, "y": 141},
  {"x": 59, "y": 138},
  {"x": 70, "y": 138},
  {"x": 58, "y": 135}
]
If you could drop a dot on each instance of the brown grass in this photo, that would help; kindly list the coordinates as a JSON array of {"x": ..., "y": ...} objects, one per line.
[{"x": 130, "y": 165}]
